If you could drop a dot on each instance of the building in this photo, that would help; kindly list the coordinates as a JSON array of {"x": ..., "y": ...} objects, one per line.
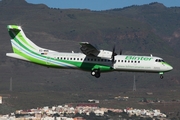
[{"x": 0, "y": 99}]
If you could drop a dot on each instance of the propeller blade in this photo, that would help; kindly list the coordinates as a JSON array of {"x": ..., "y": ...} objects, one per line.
[
  {"x": 120, "y": 52},
  {"x": 113, "y": 54}
]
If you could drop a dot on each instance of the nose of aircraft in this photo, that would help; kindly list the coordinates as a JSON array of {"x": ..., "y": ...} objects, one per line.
[
  {"x": 167, "y": 67},
  {"x": 170, "y": 68}
]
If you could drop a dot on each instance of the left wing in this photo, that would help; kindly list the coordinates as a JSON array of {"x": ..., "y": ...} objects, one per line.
[{"x": 88, "y": 49}]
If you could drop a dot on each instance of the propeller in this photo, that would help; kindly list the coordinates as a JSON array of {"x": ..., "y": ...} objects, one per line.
[
  {"x": 120, "y": 53},
  {"x": 113, "y": 54}
]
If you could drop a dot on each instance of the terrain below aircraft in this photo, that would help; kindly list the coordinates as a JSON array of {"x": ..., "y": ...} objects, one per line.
[{"x": 91, "y": 59}]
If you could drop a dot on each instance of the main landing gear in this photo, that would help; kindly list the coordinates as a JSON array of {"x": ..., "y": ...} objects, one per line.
[{"x": 96, "y": 73}]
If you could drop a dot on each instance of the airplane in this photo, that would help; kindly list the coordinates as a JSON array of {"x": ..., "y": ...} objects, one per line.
[{"x": 91, "y": 59}]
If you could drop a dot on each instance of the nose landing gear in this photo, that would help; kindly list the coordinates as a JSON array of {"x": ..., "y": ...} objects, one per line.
[{"x": 161, "y": 75}]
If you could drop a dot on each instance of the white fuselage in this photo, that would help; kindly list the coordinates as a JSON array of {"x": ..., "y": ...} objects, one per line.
[{"x": 122, "y": 62}]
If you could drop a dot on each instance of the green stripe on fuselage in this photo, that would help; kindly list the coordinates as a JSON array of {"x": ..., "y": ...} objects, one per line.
[
  {"x": 89, "y": 66},
  {"x": 166, "y": 64}
]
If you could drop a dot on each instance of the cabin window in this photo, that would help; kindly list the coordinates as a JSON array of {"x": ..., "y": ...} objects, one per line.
[
  {"x": 131, "y": 61},
  {"x": 77, "y": 58},
  {"x": 94, "y": 59},
  {"x": 70, "y": 58},
  {"x": 81, "y": 59},
  {"x": 64, "y": 58},
  {"x": 121, "y": 60},
  {"x": 134, "y": 61},
  {"x": 125, "y": 61},
  {"x": 67, "y": 58},
  {"x": 102, "y": 60},
  {"x": 108, "y": 60},
  {"x": 74, "y": 58},
  {"x": 91, "y": 59},
  {"x": 138, "y": 61}
]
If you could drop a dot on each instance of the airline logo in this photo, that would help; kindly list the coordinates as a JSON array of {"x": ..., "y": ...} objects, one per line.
[{"x": 141, "y": 58}]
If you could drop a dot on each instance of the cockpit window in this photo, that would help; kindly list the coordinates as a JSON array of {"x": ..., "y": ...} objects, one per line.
[{"x": 159, "y": 60}]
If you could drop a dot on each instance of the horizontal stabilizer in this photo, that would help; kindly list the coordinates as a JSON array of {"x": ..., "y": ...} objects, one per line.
[{"x": 14, "y": 55}]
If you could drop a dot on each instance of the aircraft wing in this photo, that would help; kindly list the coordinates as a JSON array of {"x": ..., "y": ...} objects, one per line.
[{"x": 89, "y": 49}]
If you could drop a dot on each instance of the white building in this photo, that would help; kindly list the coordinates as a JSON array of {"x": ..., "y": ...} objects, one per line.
[{"x": 0, "y": 99}]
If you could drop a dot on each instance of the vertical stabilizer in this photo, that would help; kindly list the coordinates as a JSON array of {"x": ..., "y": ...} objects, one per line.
[{"x": 19, "y": 40}]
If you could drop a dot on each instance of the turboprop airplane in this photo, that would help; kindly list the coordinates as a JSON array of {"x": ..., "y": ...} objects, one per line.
[{"x": 91, "y": 59}]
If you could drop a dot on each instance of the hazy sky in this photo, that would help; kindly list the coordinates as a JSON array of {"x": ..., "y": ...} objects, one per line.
[{"x": 100, "y": 4}]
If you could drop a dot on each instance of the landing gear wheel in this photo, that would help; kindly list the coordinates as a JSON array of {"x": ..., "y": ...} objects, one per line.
[
  {"x": 93, "y": 73},
  {"x": 96, "y": 73},
  {"x": 161, "y": 76}
]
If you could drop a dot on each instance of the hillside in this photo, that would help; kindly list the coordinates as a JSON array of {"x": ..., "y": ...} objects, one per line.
[{"x": 147, "y": 29}]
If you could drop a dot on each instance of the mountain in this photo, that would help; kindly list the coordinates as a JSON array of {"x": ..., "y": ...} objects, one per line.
[{"x": 139, "y": 30}]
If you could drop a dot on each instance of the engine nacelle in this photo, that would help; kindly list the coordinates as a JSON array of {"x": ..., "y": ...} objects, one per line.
[{"x": 105, "y": 54}]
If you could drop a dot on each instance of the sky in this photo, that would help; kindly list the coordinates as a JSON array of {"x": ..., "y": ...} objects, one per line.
[{"x": 100, "y": 4}]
